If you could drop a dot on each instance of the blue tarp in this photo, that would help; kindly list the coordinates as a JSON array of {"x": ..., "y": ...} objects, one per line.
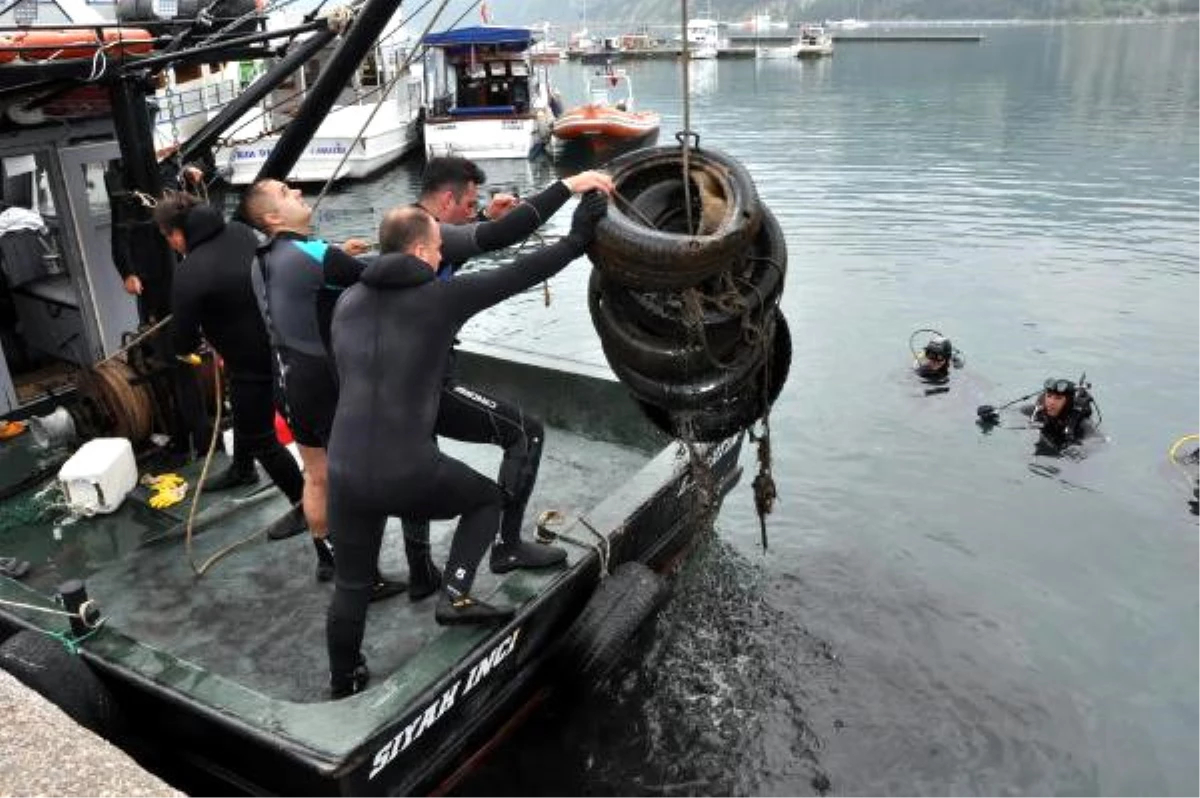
[{"x": 488, "y": 34}]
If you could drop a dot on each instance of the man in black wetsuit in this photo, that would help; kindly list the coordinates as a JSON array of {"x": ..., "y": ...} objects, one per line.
[
  {"x": 1063, "y": 411},
  {"x": 392, "y": 335},
  {"x": 297, "y": 279},
  {"x": 449, "y": 193},
  {"x": 212, "y": 296}
]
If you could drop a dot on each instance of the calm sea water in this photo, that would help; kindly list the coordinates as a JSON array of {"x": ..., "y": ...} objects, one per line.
[{"x": 939, "y": 611}]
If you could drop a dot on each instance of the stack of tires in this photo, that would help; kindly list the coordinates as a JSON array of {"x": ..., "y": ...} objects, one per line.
[{"x": 686, "y": 304}]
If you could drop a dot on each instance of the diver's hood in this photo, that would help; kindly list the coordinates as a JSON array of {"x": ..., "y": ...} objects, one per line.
[{"x": 397, "y": 271}]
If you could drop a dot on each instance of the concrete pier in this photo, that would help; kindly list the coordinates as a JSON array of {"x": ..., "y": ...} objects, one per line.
[{"x": 44, "y": 752}]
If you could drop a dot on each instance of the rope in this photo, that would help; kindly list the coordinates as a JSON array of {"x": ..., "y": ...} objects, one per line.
[
  {"x": 136, "y": 340},
  {"x": 555, "y": 518},
  {"x": 400, "y": 73},
  {"x": 687, "y": 113},
  {"x": 200, "y": 570},
  {"x": 71, "y": 644}
]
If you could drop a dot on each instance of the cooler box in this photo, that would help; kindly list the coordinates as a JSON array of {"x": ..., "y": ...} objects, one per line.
[{"x": 99, "y": 476}]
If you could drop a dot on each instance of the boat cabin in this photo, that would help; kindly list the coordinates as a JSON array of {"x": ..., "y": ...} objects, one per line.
[{"x": 62, "y": 303}]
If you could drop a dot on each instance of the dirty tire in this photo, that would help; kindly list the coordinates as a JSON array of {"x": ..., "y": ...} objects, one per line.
[
  {"x": 621, "y": 603},
  {"x": 760, "y": 286},
  {"x": 710, "y": 389},
  {"x": 716, "y": 423},
  {"x": 42, "y": 663},
  {"x": 638, "y": 256},
  {"x": 625, "y": 342}
]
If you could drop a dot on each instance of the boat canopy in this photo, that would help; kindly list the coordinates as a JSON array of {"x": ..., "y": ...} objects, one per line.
[{"x": 464, "y": 37}]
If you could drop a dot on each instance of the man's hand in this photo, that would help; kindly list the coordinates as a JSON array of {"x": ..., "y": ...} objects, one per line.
[
  {"x": 587, "y": 181},
  {"x": 356, "y": 247},
  {"x": 133, "y": 285},
  {"x": 591, "y": 210},
  {"x": 501, "y": 204}
]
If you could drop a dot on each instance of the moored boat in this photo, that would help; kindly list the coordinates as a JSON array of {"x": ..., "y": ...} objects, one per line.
[
  {"x": 225, "y": 674},
  {"x": 486, "y": 98},
  {"x": 814, "y": 42},
  {"x": 609, "y": 113}
]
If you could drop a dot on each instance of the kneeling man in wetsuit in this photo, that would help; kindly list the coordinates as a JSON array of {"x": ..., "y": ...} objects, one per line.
[{"x": 392, "y": 335}]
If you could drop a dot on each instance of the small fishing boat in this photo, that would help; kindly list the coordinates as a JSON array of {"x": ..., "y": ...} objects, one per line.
[
  {"x": 609, "y": 112},
  {"x": 486, "y": 97}
]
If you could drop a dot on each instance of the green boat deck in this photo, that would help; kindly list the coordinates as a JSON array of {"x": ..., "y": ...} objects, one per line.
[{"x": 257, "y": 617}]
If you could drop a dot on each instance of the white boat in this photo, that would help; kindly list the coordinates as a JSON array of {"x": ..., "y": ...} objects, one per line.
[
  {"x": 704, "y": 38},
  {"x": 486, "y": 97},
  {"x": 392, "y": 132},
  {"x": 814, "y": 42}
]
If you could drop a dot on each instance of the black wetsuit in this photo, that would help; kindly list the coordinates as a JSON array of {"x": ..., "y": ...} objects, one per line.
[
  {"x": 468, "y": 413},
  {"x": 297, "y": 283},
  {"x": 392, "y": 336},
  {"x": 212, "y": 295},
  {"x": 1070, "y": 426},
  {"x": 938, "y": 375}
]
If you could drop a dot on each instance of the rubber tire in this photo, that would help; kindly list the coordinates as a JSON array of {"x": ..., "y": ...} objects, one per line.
[
  {"x": 42, "y": 663},
  {"x": 658, "y": 358},
  {"x": 642, "y": 257},
  {"x": 621, "y": 603},
  {"x": 696, "y": 393},
  {"x": 661, "y": 313},
  {"x": 712, "y": 425}
]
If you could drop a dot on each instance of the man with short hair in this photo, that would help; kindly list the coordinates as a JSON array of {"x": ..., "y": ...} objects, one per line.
[
  {"x": 1063, "y": 411},
  {"x": 450, "y": 189},
  {"x": 297, "y": 280},
  {"x": 211, "y": 296},
  {"x": 392, "y": 336}
]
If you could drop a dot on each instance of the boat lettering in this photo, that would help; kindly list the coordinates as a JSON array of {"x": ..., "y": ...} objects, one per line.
[
  {"x": 251, "y": 154},
  {"x": 423, "y": 720},
  {"x": 474, "y": 397},
  {"x": 337, "y": 148},
  {"x": 510, "y": 124}
]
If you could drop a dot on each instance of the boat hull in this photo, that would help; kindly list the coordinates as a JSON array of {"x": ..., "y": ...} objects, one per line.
[
  {"x": 389, "y": 137},
  {"x": 604, "y": 122},
  {"x": 485, "y": 138}
]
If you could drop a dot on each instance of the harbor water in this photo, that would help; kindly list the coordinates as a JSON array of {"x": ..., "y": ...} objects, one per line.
[{"x": 939, "y": 611}]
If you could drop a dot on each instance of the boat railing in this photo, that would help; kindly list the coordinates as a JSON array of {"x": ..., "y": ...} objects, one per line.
[{"x": 211, "y": 97}]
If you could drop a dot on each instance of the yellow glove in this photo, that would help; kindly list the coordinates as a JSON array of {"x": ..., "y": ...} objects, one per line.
[
  {"x": 168, "y": 489},
  {"x": 192, "y": 360}
]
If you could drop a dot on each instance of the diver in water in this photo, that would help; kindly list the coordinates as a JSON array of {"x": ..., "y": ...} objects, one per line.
[
  {"x": 932, "y": 364},
  {"x": 1063, "y": 411}
]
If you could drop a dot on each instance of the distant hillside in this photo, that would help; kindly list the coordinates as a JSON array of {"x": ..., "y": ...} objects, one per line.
[{"x": 572, "y": 12}]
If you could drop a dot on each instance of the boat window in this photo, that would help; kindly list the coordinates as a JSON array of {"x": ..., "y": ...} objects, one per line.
[
  {"x": 369, "y": 73},
  {"x": 97, "y": 194}
]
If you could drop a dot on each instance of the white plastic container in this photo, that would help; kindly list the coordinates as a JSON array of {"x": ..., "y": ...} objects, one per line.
[{"x": 99, "y": 476}]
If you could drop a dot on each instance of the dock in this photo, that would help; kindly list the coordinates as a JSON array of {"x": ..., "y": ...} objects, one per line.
[{"x": 883, "y": 38}]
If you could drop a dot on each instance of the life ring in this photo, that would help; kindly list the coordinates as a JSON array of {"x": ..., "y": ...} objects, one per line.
[
  {"x": 40, "y": 45},
  {"x": 656, "y": 357},
  {"x": 718, "y": 422},
  {"x": 622, "y": 602},
  {"x": 760, "y": 286},
  {"x": 638, "y": 256},
  {"x": 43, "y": 664}
]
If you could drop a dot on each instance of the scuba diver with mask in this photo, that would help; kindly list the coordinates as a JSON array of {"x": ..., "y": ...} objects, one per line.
[
  {"x": 1063, "y": 411},
  {"x": 932, "y": 364}
]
